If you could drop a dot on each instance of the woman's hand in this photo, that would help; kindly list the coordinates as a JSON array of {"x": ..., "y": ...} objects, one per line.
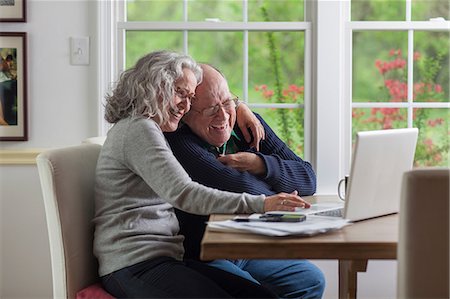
[
  {"x": 284, "y": 202},
  {"x": 247, "y": 120}
]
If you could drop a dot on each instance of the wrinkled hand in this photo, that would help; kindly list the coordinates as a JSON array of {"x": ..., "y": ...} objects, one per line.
[
  {"x": 246, "y": 120},
  {"x": 284, "y": 202},
  {"x": 244, "y": 161}
]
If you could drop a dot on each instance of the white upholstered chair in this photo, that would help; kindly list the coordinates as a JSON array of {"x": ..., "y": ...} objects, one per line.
[
  {"x": 423, "y": 249},
  {"x": 95, "y": 140},
  {"x": 67, "y": 181}
]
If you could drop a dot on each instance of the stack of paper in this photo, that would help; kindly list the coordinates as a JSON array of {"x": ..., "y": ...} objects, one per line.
[{"x": 313, "y": 225}]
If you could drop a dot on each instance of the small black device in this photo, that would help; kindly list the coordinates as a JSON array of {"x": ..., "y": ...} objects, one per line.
[{"x": 272, "y": 218}]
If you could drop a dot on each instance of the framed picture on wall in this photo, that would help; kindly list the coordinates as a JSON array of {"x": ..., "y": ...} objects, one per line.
[
  {"x": 13, "y": 10},
  {"x": 13, "y": 86}
]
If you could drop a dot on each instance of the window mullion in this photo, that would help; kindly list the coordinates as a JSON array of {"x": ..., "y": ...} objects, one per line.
[
  {"x": 401, "y": 105},
  {"x": 276, "y": 105},
  {"x": 185, "y": 32},
  {"x": 307, "y": 117},
  {"x": 245, "y": 66},
  {"x": 410, "y": 62},
  {"x": 399, "y": 25},
  {"x": 408, "y": 8},
  {"x": 245, "y": 52},
  {"x": 214, "y": 26}
]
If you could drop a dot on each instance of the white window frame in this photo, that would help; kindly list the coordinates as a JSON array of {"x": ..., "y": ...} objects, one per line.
[
  {"x": 328, "y": 64},
  {"x": 111, "y": 37},
  {"x": 245, "y": 27},
  {"x": 408, "y": 26}
]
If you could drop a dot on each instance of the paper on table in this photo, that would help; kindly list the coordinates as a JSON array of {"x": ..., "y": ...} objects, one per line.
[{"x": 312, "y": 226}]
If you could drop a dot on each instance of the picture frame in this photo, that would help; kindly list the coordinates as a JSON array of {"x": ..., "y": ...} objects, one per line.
[
  {"x": 13, "y": 86},
  {"x": 13, "y": 10}
]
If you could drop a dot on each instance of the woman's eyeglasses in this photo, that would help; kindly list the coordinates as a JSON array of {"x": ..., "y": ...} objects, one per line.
[{"x": 184, "y": 95}]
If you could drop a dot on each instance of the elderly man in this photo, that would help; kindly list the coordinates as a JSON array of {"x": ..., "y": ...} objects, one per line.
[{"x": 214, "y": 153}]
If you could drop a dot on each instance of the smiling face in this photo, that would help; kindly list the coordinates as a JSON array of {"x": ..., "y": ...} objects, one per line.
[
  {"x": 184, "y": 91},
  {"x": 216, "y": 128}
]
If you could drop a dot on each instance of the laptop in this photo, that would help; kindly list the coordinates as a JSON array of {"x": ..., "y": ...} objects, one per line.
[{"x": 379, "y": 160}]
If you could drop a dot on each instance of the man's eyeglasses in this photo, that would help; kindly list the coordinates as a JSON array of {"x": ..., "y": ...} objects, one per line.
[
  {"x": 227, "y": 104},
  {"x": 184, "y": 95}
]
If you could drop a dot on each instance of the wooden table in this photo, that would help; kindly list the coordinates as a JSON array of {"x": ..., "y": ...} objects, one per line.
[{"x": 352, "y": 245}]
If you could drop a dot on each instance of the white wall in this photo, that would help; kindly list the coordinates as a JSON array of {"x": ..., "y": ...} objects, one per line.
[
  {"x": 24, "y": 257},
  {"x": 62, "y": 111},
  {"x": 62, "y": 100}
]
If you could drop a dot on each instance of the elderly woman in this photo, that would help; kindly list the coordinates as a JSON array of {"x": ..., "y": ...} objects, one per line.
[{"x": 139, "y": 182}]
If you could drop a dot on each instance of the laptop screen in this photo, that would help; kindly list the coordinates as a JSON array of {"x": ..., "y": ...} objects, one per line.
[{"x": 379, "y": 160}]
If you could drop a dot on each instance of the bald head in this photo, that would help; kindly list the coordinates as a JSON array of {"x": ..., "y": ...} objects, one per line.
[
  {"x": 213, "y": 83},
  {"x": 213, "y": 90}
]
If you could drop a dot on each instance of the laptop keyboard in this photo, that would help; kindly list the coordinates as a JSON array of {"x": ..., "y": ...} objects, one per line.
[{"x": 332, "y": 213}]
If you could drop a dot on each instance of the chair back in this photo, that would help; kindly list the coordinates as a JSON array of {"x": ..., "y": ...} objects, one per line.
[
  {"x": 67, "y": 180},
  {"x": 423, "y": 249},
  {"x": 95, "y": 140}
]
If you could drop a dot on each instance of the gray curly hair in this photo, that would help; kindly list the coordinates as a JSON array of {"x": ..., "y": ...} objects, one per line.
[{"x": 148, "y": 88}]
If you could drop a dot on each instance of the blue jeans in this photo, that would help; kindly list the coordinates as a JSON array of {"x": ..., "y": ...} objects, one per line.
[
  {"x": 165, "y": 277},
  {"x": 286, "y": 278}
]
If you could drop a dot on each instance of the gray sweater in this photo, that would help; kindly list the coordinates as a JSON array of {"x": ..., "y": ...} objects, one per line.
[{"x": 138, "y": 182}]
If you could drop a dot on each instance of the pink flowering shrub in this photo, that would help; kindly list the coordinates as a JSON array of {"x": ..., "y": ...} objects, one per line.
[
  {"x": 432, "y": 147},
  {"x": 292, "y": 94}
]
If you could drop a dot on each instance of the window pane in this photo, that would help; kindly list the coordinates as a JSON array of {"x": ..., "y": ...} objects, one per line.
[
  {"x": 287, "y": 124},
  {"x": 202, "y": 10},
  {"x": 139, "y": 43},
  {"x": 433, "y": 143},
  {"x": 222, "y": 50},
  {"x": 431, "y": 66},
  {"x": 378, "y": 10},
  {"x": 423, "y": 10},
  {"x": 155, "y": 10},
  {"x": 368, "y": 119},
  {"x": 280, "y": 10},
  {"x": 276, "y": 74},
  {"x": 379, "y": 66}
]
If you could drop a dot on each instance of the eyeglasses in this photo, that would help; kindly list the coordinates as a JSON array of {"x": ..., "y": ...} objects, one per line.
[
  {"x": 227, "y": 104},
  {"x": 184, "y": 94}
]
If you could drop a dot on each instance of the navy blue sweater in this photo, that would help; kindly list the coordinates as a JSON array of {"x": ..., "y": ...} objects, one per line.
[{"x": 286, "y": 172}]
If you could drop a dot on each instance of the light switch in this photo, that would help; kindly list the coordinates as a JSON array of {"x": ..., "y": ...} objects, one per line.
[{"x": 79, "y": 50}]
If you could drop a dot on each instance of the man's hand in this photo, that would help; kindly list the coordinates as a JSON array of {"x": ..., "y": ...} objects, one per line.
[
  {"x": 246, "y": 120},
  {"x": 244, "y": 161}
]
